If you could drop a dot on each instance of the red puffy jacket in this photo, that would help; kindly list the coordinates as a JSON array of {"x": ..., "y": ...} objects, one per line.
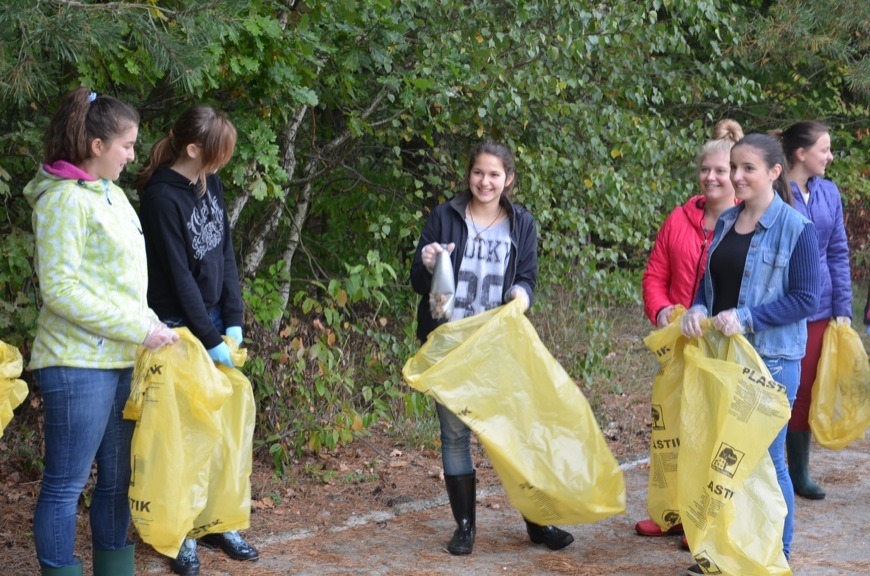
[{"x": 678, "y": 259}]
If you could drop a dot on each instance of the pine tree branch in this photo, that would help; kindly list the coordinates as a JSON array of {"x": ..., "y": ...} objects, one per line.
[{"x": 116, "y": 5}]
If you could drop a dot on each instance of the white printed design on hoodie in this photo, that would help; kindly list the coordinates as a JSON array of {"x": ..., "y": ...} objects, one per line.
[{"x": 207, "y": 225}]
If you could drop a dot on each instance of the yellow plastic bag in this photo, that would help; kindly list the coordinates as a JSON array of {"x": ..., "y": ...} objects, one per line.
[
  {"x": 667, "y": 345},
  {"x": 178, "y": 400},
  {"x": 13, "y": 391},
  {"x": 493, "y": 371},
  {"x": 731, "y": 505},
  {"x": 840, "y": 410},
  {"x": 228, "y": 505}
]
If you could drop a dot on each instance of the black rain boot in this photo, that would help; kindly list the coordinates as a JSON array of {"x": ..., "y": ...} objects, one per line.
[
  {"x": 554, "y": 538},
  {"x": 797, "y": 445},
  {"x": 463, "y": 499}
]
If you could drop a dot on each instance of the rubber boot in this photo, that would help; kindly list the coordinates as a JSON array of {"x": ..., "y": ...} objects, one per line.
[
  {"x": 797, "y": 445},
  {"x": 121, "y": 562},
  {"x": 463, "y": 500},
  {"x": 74, "y": 570}
]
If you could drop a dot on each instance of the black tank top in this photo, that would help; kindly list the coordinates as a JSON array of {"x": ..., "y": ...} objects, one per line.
[{"x": 726, "y": 269}]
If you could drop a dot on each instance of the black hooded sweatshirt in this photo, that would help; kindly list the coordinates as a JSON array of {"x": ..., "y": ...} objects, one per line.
[{"x": 191, "y": 265}]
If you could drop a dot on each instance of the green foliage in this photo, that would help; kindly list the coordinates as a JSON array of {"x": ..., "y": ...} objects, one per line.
[
  {"x": 17, "y": 292},
  {"x": 262, "y": 295},
  {"x": 335, "y": 369},
  {"x": 354, "y": 119}
]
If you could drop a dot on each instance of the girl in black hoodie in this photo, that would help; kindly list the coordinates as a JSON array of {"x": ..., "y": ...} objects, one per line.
[{"x": 192, "y": 275}]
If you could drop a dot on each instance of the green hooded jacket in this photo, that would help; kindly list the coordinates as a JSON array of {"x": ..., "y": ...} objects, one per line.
[{"x": 90, "y": 259}]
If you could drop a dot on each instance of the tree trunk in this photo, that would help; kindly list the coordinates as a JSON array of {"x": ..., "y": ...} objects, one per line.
[
  {"x": 275, "y": 208},
  {"x": 239, "y": 202},
  {"x": 328, "y": 153}
]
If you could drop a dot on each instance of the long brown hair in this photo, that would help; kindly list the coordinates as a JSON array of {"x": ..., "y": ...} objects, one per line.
[
  {"x": 203, "y": 126},
  {"x": 501, "y": 152},
  {"x": 81, "y": 117}
]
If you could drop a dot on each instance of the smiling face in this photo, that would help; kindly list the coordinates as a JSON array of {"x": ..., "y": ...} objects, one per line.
[
  {"x": 817, "y": 157},
  {"x": 487, "y": 179},
  {"x": 109, "y": 157},
  {"x": 714, "y": 176},
  {"x": 752, "y": 178}
]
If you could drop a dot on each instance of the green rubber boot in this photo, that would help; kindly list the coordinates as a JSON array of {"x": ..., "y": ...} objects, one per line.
[
  {"x": 74, "y": 570},
  {"x": 120, "y": 562}
]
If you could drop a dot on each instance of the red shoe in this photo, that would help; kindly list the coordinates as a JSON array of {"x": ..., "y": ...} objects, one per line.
[
  {"x": 650, "y": 528},
  {"x": 684, "y": 543}
]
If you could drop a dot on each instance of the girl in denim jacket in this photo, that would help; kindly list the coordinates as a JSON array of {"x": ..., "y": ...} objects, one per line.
[{"x": 775, "y": 250}]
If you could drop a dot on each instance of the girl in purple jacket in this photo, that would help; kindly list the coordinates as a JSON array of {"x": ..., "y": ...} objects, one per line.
[{"x": 807, "y": 146}]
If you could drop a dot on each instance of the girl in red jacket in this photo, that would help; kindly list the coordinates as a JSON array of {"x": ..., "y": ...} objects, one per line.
[{"x": 676, "y": 264}]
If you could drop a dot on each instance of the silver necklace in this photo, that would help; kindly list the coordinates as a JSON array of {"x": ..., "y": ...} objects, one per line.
[{"x": 477, "y": 232}]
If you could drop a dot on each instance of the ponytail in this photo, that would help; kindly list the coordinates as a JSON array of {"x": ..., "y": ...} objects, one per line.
[
  {"x": 782, "y": 187},
  {"x": 161, "y": 153},
  {"x": 200, "y": 125},
  {"x": 82, "y": 117}
]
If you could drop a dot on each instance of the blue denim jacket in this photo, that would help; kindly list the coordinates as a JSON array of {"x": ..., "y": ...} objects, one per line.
[{"x": 765, "y": 277}]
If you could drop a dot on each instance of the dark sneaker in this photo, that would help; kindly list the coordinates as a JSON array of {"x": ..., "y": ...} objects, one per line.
[
  {"x": 554, "y": 538},
  {"x": 232, "y": 544},
  {"x": 187, "y": 562}
]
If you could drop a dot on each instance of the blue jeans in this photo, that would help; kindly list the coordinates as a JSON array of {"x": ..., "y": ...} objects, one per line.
[
  {"x": 787, "y": 373},
  {"x": 215, "y": 314},
  {"x": 455, "y": 443},
  {"x": 83, "y": 422}
]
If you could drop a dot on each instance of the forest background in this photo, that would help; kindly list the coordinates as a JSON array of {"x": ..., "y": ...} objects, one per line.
[{"x": 355, "y": 117}]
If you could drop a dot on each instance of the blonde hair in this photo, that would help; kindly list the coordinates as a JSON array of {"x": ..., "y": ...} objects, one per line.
[{"x": 726, "y": 134}]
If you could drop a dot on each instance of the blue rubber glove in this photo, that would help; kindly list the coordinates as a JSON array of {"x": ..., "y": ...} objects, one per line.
[
  {"x": 235, "y": 332},
  {"x": 221, "y": 354}
]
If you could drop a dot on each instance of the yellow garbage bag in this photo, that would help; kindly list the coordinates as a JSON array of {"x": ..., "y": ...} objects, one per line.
[
  {"x": 228, "y": 505},
  {"x": 667, "y": 345},
  {"x": 13, "y": 391},
  {"x": 840, "y": 410},
  {"x": 494, "y": 372},
  {"x": 177, "y": 399},
  {"x": 731, "y": 505}
]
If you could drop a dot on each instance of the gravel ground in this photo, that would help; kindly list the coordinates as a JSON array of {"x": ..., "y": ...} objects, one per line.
[{"x": 831, "y": 537}]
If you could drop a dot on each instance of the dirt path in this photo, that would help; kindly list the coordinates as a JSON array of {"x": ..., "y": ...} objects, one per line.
[{"x": 831, "y": 537}]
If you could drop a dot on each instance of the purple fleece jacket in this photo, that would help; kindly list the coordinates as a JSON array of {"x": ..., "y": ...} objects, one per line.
[{"x": 825, "y": 210}]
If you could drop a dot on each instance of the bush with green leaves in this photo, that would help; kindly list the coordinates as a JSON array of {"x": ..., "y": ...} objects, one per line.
[{"x": 354, "y": 119}]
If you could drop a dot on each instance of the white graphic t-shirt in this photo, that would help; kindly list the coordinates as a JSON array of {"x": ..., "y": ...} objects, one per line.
[{"x": 480, "y": 283}]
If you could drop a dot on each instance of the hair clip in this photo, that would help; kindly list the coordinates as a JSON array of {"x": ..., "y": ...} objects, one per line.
[{"x": 92, "y": 96}]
